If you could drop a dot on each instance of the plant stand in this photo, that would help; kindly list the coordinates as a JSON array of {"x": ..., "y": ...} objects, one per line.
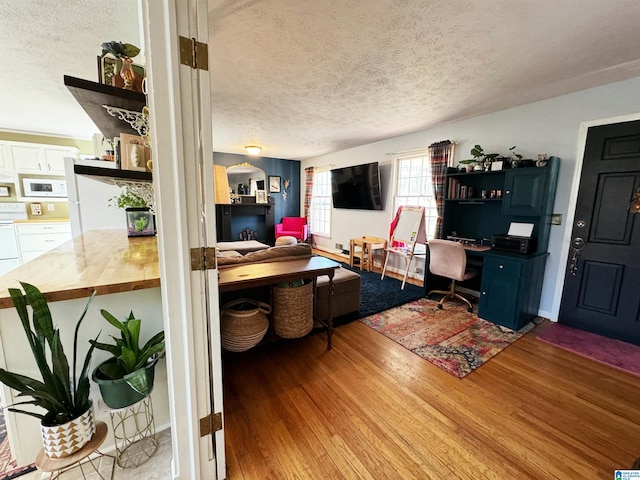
[
  {"x": 134, "y": 432},
  {"x": 91, "y": 468}
]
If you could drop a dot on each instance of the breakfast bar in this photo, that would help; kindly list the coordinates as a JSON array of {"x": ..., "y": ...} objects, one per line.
[{"x": 126, "y": 276}]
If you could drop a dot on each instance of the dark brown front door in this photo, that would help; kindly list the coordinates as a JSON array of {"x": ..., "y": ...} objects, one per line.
[{"x": 602, "y": 280}]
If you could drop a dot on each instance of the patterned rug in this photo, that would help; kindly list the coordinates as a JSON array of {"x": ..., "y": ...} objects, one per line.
[
  {"x": 8, "y": 469},
  {"x": 452, "y": 338}
]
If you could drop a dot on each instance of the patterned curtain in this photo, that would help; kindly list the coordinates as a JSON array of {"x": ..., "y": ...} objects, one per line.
[
  {"x": 441, "y": 155},
  {"x": 308, "y": 193}
]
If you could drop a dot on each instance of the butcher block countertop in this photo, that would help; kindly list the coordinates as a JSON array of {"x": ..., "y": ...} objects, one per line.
[{"x": 103, "y": 260}]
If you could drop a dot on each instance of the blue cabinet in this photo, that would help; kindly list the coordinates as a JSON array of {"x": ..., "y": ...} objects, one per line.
[
  {"x": 511, "y": 284},
  {"x": 510, "y": 289}
]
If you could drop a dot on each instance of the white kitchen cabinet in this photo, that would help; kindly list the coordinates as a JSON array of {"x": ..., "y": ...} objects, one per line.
[
  {"x": 34, "y": 239},
  {"x": 40, "y": 159},
  {"x": 6, "y": 162}
]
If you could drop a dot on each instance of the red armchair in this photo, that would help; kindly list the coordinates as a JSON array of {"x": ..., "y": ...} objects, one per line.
[{"x": 294, "y": 227}]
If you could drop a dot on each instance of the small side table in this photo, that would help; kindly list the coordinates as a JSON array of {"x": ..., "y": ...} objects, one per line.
[
  {"x": 57, "y": 466},
  {"x": 134, "y": 432},
  {"x": 367, "y": 246}
]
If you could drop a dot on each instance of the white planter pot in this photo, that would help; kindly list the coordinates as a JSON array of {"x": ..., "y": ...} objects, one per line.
[{"x": 63, "y": 440}]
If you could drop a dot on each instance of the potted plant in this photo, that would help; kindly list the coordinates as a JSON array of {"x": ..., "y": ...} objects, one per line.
[
  {"x": 127, "y": 377},
  {"x": 469, "y": 164},
  {"x": 68, "y": 422},
  {"x": 140, "y": 220}
]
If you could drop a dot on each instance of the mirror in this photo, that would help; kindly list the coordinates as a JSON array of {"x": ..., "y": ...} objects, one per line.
[{"x": 245, "y": 179}]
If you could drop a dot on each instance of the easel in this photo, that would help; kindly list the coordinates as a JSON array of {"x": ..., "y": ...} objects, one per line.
[{"x": 409, "y": 230}]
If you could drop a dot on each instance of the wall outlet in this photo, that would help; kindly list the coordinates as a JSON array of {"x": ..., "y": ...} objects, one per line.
[
  {"x": 51, "y": 207},
  {"x": 339, "y": 246},
  {"x": 36, "y": 209}
]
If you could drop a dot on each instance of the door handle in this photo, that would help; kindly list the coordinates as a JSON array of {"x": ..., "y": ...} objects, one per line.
[{"x": 577, "y": 244}]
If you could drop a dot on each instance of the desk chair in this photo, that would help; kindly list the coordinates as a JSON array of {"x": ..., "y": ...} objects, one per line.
[{"x": 448, "y": 259}]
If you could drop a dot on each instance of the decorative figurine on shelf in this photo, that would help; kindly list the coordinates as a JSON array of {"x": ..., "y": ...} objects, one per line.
[
  {"x": 128, "y": 78},
  {"x": 284, "y": 192},
  {"x": 542, "y": 160}
]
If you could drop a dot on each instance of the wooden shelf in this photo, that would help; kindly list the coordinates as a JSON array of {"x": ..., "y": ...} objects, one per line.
[
  {"x": 92, "y": 96},
  {"x": 110, "y": 175}
]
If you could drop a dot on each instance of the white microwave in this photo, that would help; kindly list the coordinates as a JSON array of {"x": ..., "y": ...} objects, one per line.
[{"x": 44, "y": 187}]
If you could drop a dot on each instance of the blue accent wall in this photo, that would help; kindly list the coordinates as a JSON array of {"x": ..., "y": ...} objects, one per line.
[{"x": 285, "y": 169}]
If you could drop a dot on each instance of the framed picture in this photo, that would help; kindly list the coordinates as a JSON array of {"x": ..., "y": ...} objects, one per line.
[
  {"x": 496, "y": 165},
  {"x": 107, "y": 68},
  {"x": 261, "y": 196},
  {"x": 274, "y": 184},
  {"x": 134, "y": 153}
]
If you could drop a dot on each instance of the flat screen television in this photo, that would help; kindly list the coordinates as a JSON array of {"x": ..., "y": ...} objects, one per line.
[{"x": 356, "y": 187}]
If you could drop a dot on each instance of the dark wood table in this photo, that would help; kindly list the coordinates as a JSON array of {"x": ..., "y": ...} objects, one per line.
[{"x": 241, "y": 277}]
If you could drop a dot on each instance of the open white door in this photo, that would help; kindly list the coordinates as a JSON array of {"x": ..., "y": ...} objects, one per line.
[{"x": 181, "y": 137}]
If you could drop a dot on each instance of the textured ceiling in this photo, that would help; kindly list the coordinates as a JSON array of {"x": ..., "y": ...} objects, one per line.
[{"x": 305, "y": 78}]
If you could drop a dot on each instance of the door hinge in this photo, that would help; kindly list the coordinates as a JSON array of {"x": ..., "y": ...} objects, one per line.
[
  {"x": 210, "y": 424},
  {"x": 203, "y": 258},
  {"x": 194, "y": 54}
]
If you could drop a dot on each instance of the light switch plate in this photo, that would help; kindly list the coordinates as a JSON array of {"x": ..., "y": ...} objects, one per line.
[{"x": 36, "y": 209}]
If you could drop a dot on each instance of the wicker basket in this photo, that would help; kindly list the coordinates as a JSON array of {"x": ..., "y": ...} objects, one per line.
[
  {"x": 293, "y": 310},
  {"x": 245, "y": 325}
]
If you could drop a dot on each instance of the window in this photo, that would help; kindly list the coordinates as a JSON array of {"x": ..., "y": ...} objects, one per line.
[
  {"x": 413, "y": 187},
  {"x": 321, "y": 203}
]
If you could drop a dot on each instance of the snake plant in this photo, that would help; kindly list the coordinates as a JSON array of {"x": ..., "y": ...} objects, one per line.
[
  {"x": 130, "y": 359},
  {"x": 62, "y": 394}
]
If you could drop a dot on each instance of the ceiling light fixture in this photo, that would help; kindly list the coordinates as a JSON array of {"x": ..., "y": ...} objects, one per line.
[{"x": 252, "y": 149}]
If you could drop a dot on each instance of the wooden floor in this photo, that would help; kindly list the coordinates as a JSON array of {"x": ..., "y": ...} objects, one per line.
[{"x": 368, "y": 408}]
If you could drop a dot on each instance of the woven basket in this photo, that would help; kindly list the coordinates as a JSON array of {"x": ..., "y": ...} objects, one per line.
[
  {"x": 243, "y": 328},
  {"x": 293, "y": 310}
]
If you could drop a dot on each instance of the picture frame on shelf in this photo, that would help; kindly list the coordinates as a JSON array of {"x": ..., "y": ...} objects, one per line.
[
  {"x": 274, "y": 184},
  {"x": 497, "y": 165},
  {"x": 135, "y": 153},
  {"x": 261, "y": 196},
  {"x": 108, "y": 72},
  {"x": 107, "y": 69}
]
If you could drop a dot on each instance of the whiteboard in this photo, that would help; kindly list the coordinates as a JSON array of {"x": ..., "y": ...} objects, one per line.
[{"x": 410, "y": 227}]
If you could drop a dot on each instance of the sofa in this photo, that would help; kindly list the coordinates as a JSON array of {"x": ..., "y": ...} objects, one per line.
[{"x": 346, "y": 284}]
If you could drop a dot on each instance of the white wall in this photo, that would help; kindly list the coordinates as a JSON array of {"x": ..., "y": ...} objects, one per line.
[{"x": 550, "y": 126}]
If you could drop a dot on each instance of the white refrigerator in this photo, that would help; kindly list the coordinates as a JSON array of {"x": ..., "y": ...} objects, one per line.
[{"x": 89, "y": 200}]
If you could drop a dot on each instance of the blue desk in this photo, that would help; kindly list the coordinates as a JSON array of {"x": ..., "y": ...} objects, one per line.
[{"x": 510, "y": 285}]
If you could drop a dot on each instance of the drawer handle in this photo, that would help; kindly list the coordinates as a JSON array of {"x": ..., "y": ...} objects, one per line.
[
  {"x": 484, "y": 293},
  {"x": 507, "y": 192},
  {"x": 501, "y": 267}
]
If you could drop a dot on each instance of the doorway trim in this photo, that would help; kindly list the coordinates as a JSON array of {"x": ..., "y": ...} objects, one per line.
[{"x": 573, "y": 198}]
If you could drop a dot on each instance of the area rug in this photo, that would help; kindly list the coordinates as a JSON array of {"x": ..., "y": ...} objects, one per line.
[
  {"x": 615, "y": 353},
  {"x": 8, "y": 469},
  {"x": 377, "y": 295},
  {"x": 452, "y": 338}
]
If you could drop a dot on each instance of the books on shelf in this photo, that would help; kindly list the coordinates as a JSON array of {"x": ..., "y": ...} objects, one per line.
[{"x": 456, "y": 190}]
